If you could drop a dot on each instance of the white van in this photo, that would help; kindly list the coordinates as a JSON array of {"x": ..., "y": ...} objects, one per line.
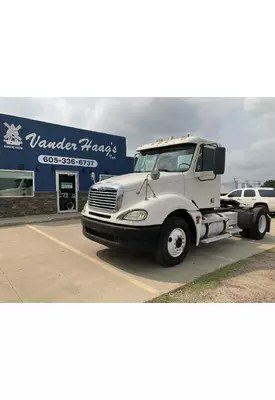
[{"x": 254, "y": 197}]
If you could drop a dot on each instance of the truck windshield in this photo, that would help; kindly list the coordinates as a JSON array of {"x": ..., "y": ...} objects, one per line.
[{"x": 168, "y": 159}]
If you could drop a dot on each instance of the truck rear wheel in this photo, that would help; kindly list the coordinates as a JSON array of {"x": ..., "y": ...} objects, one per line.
[
  {"x": 263, "y": 206},
  {"x": 173, "y": 242},
  {"x": 259, "y": 226}
]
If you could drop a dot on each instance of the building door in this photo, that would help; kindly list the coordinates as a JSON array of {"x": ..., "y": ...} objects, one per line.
[{"x": 67, "y": 191}]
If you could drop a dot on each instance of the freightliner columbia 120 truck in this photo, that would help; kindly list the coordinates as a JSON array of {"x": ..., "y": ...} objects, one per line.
[{"x": 171, "y": 200}]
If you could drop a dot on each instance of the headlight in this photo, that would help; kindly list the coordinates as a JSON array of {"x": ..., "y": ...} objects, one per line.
[
  {"x": 136, "y": 215},
  {"x": 119, "y": 202},
  {"x": 84, "y": 208}
]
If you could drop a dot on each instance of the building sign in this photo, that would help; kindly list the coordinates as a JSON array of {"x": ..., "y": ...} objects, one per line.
[
  {"x": 66, "y": 185},
  {"x": 12, "y": 138},
  {"x": 38, "y": 148},
  {"x": 83, "y": 144},
  {"x": 76, "y": 162}
]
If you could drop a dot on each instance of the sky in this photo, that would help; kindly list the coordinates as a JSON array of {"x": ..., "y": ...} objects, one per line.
[{"x": 245, "y": 126}]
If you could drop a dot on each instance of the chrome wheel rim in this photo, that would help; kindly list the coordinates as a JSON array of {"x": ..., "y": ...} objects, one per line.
[
  {"x": 262, "y": 224},
  {"x": 176, "y": 242}
]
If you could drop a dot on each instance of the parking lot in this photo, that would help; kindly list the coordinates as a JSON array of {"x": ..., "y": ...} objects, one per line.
[{"x": 54, "y": 262}]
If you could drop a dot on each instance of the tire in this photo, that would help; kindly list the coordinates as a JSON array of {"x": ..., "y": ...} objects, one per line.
[
  {"x": 259, "y": 226},
  {"x": 173, "y": 243},
  {"x": 265, "y": 208}
]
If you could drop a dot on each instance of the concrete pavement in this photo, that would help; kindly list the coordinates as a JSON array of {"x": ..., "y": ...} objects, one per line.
[{"x": 54, "y": 262}]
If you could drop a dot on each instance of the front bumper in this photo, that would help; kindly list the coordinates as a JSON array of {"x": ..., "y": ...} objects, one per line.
[{"x": 142, "y": 239}]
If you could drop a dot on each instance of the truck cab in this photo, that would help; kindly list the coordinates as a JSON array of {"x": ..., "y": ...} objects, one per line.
[{"x": 171, "y": 199}]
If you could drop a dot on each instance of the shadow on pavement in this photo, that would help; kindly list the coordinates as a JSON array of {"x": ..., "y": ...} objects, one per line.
[{"x": 200, "y": 260}]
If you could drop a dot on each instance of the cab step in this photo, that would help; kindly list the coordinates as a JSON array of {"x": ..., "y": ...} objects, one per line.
[{"x": 226, "y": 235}]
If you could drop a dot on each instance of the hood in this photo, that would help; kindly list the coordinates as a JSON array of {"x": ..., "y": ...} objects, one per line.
[
  {"x": 128, "y": 181},
  {"x": 135, "y": 180}
]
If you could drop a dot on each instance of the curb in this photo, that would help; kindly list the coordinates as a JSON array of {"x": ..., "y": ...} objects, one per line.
[
  {"x": 38, "y": 221},
  {"x": 172, "y": 291}
]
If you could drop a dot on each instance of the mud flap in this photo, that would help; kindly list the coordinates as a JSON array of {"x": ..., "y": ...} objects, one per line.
[
  {"x": 247, "y": 218},
  {"x": 268, "y": 223}
]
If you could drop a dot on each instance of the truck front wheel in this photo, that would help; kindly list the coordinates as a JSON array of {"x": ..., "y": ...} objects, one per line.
[{"x": 173, "y": 243}]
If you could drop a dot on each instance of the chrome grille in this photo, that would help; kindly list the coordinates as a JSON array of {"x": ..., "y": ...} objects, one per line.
[{"x": 103, "y": 198}]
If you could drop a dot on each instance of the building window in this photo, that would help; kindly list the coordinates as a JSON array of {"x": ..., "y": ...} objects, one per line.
[{"x": 16, "y": 183}]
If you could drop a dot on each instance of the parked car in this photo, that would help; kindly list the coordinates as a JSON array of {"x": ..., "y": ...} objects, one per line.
[{"x": 254, "y": 197}]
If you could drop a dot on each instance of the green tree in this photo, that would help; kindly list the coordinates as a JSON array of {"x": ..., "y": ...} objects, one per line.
[{"x": 269, "y": 183}]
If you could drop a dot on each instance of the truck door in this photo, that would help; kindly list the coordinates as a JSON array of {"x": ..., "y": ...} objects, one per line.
[{"x": 201, "y": 185}]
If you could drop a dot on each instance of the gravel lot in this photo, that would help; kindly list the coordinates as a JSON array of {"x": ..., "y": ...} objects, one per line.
[{"x": 247, "y": 281}]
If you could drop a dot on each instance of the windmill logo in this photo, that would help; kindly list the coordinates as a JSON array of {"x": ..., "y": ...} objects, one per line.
[{"x": 12, "y": 137}]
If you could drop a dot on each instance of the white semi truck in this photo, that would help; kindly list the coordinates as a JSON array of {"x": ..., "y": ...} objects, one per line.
[{"x": 170, "y": 201}]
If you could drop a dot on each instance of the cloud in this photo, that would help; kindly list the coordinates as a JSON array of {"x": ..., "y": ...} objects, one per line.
[
  {"x": 256, "y": 162},
  {"x": 246, "y": 126}
]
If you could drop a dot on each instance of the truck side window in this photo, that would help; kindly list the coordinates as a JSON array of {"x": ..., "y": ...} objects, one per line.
[
  {"x": 236, "y": 193},
  {"x": 205, "y": 159}
]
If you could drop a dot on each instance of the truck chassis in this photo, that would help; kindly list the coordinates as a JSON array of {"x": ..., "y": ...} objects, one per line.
[{"x": 170, "y": 242}]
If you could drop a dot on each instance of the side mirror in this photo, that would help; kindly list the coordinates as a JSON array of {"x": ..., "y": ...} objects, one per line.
[
  {"x": 219, "y": 161},
  {"x": 155, "y": 174}
]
